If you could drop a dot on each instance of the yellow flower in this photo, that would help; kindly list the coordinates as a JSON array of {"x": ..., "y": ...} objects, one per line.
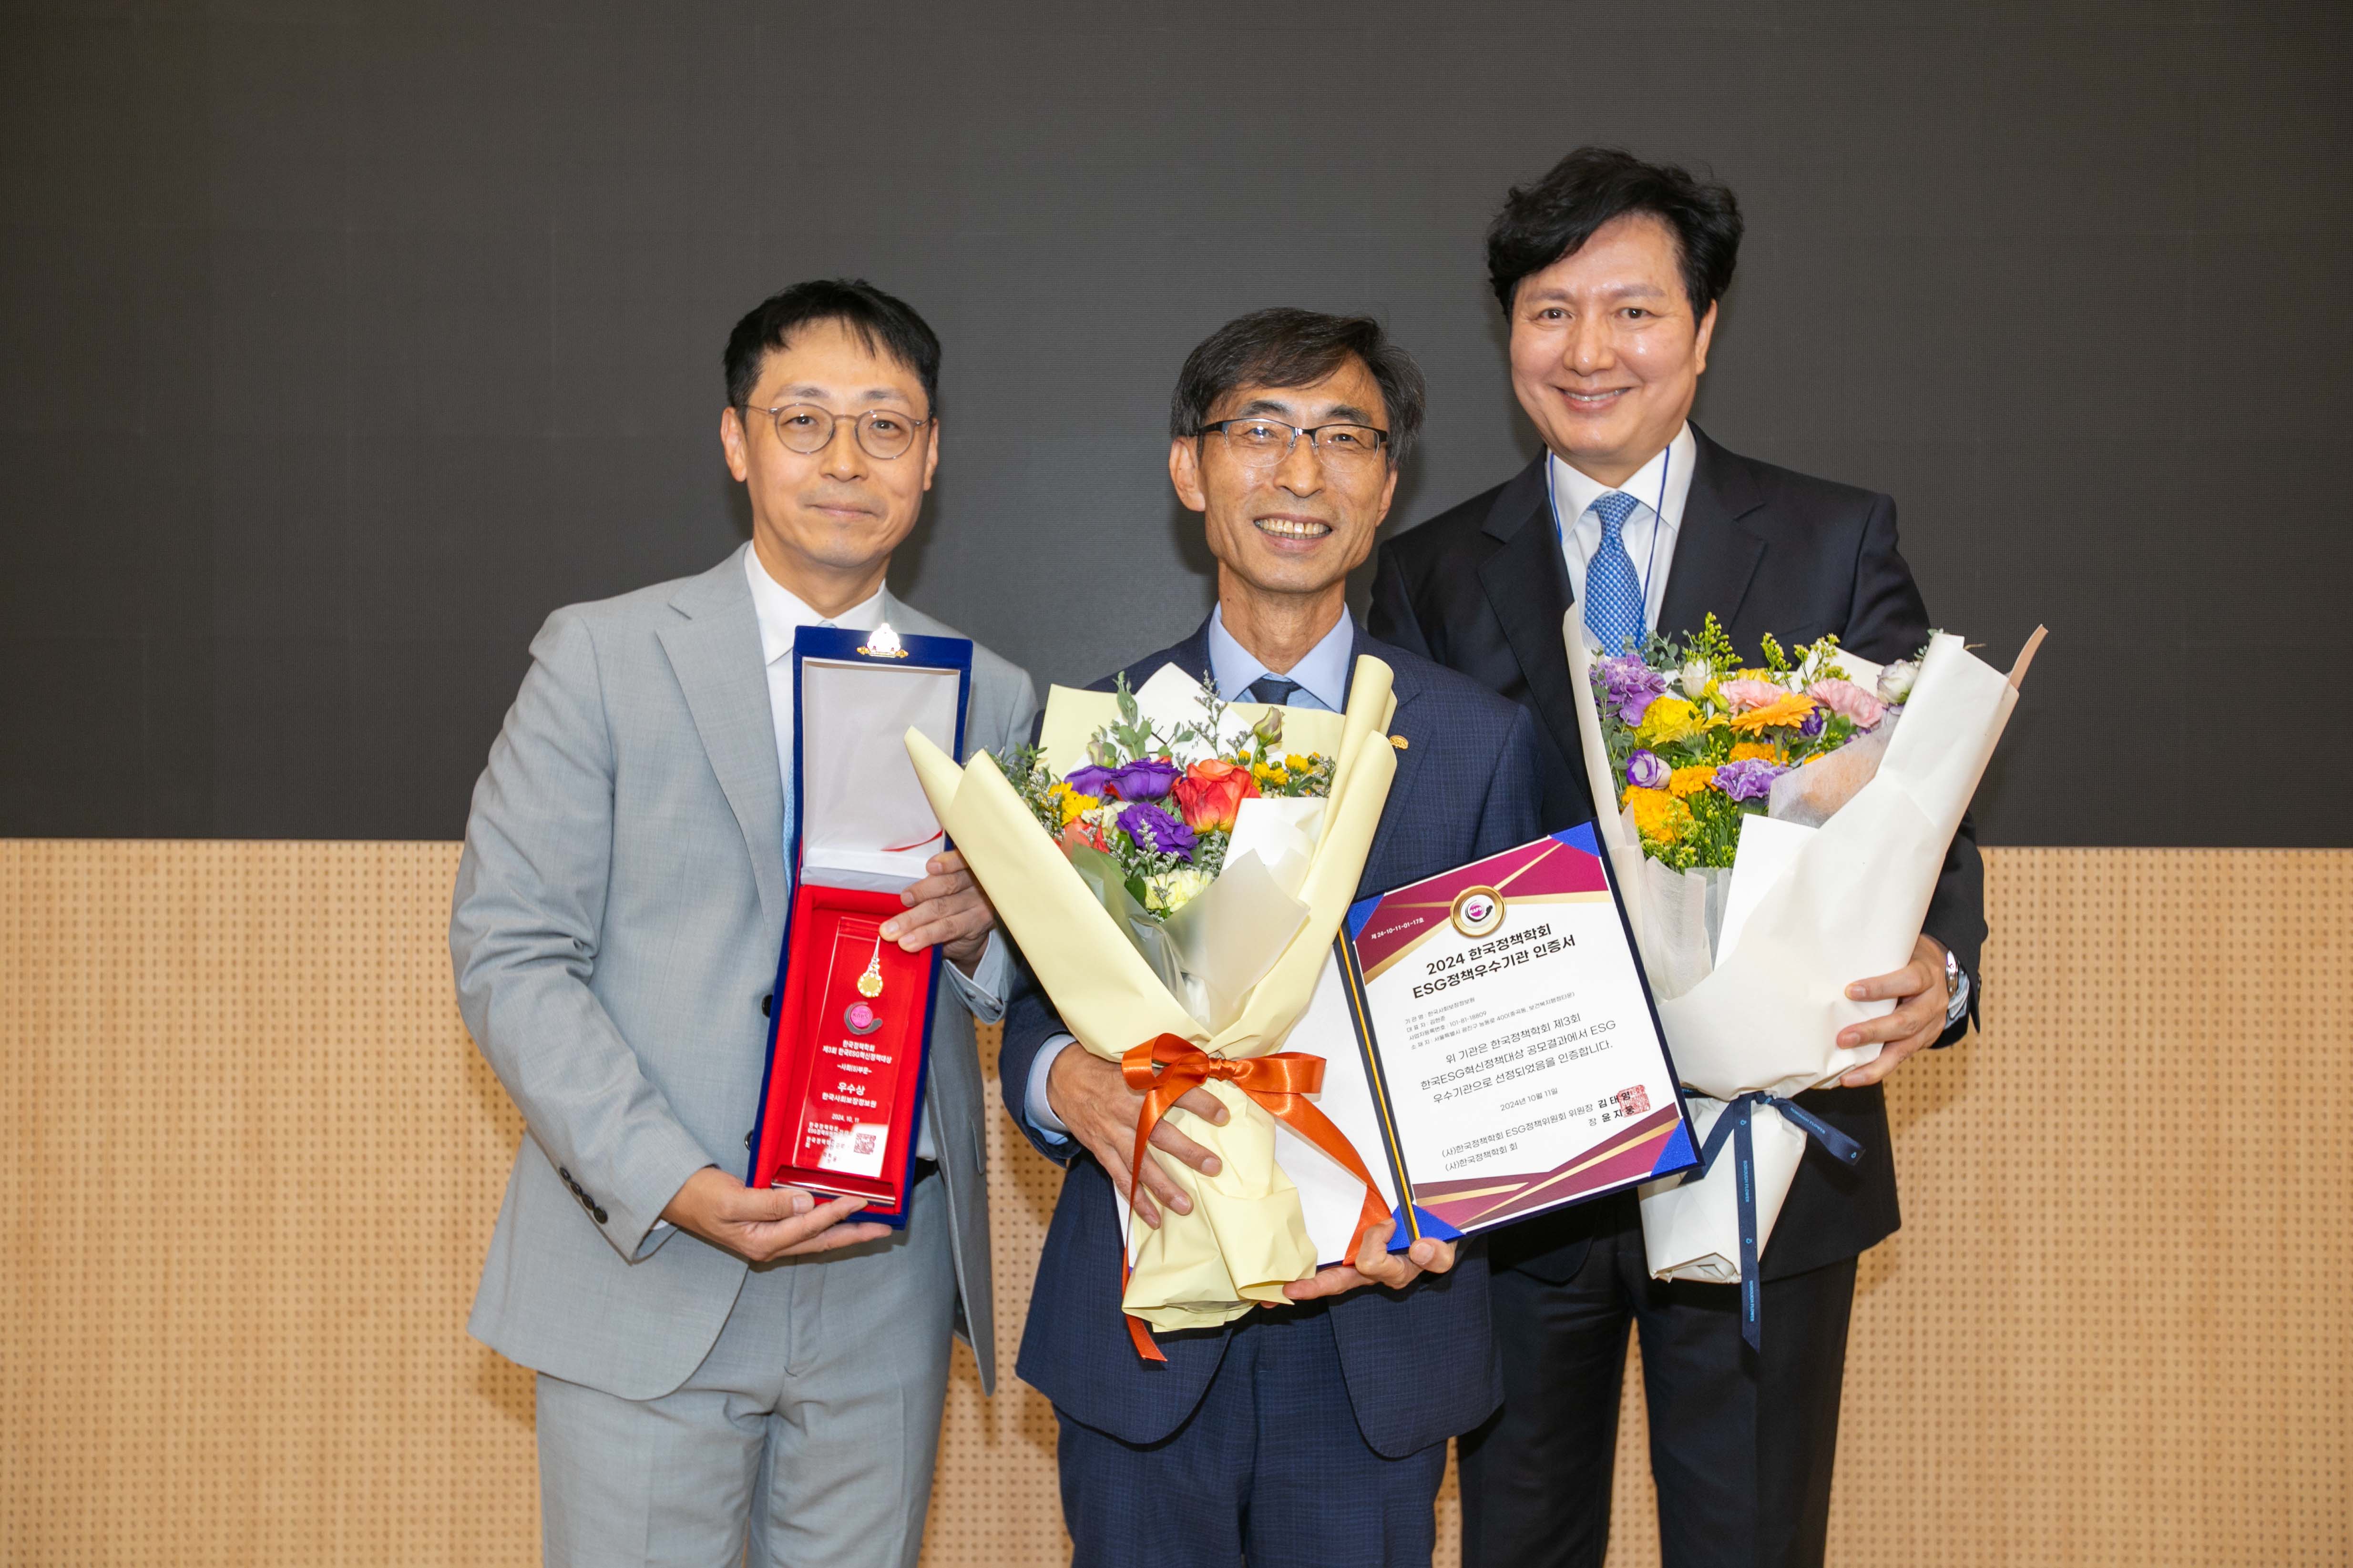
[
  {"x": 1270, "y": 778},
  {"x": 1688, "y": 782},
  {"x": 1669, "y": 720},
  {"x": 1075, "y": 804},
  {"x": 1758, "y": 752},
  {"x": 1789, "y": 711},
  {"x": 1658, "y": 816},
  {"x": 1299, "y": 764}
]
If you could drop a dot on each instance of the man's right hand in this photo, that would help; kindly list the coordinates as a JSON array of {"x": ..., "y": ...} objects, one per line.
[
  {"x": 782, "y": 1222},
  {"x": 1091, "y": 1096}
]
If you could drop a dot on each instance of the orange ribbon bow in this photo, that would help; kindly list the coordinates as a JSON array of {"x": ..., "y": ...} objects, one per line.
[{"x": 1165, "y": 1069}]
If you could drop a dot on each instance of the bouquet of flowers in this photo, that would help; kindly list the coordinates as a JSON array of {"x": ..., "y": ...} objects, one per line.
[
  {"x": 1175, "y": 868},
  {"x": 1151, "y": 819},
  {"x": 1778, "y": 828}
]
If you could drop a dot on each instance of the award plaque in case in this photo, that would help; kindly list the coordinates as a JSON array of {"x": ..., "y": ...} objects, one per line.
[{"x": 842, "y": 1099}]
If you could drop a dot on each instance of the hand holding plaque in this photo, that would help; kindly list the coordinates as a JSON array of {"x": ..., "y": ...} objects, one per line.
[{"x": 842, "y": 1106}]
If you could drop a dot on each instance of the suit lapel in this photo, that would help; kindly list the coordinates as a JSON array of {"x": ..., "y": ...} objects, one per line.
[
  {"x": 1716, "y": 552},
  {"x": 1527, "y": 583},
  {"x": 714, "y": 651},
  {"x": 1408, "y": 688}
]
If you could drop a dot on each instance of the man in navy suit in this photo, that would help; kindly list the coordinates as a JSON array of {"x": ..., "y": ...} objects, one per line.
[
  {"x": 1313, "y": 1432},
  {"x": 1610, "y": 272}
]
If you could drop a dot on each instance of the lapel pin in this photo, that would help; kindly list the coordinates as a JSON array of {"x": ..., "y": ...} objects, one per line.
[{"x": 1399, "y": 741}]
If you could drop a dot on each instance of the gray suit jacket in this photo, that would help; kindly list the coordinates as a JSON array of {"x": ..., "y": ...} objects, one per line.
[{"x": 615, "y": 931}]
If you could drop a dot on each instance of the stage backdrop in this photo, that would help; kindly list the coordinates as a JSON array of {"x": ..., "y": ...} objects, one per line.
[
  {"x": 251, "y": 1161},
  {"x": 340, "y": 341}
]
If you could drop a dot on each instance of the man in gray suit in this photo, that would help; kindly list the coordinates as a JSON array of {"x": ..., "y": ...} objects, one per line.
[{"x": 718, "y": 1367}]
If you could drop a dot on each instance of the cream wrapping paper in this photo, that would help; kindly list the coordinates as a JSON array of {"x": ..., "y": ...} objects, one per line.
[
  {"x": 1845, "y": 902},
  {"x": 1245, "y": 1239}
]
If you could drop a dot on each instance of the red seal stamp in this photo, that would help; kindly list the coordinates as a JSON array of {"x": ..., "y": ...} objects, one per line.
[{"x": 1632, "y": 1102}]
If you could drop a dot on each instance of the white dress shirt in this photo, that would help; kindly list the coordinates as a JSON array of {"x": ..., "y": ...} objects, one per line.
[
  {"x": 1322, "y": 676},
  {"x": 780, "y": 613},
  {"x": 1659, "y": 488}
]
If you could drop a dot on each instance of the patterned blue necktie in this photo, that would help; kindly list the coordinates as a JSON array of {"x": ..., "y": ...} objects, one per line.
[{"x": 1613, "y": 594}]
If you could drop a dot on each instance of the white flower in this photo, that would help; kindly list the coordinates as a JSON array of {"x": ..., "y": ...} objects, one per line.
[
  {"x": 1694, "y": 675},
  {"x": 1172, "y": 890},
  {"x": 1897, "y": 680}
]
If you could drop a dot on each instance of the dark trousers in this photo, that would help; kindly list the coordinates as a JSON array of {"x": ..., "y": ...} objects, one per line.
[
  {"x": 1742, "y": 1445},
  {"x": 1269, "y": 1469}
]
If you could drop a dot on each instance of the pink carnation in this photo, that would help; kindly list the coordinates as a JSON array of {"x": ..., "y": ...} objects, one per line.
[
  {"x": 1845, "y": 697},
  {"x": 1740, "y": 696}
]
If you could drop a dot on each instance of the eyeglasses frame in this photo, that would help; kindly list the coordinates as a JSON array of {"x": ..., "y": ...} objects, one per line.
[
  {"x": 1312, "y": 433},
  {"x": 857, "y": 429}
]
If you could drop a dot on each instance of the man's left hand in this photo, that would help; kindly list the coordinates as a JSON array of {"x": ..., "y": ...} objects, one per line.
[
  {"x": 1376, "y": 1265},
  {"x": 1918, "y": 1018},
  {"x": 947, "y": 907}
]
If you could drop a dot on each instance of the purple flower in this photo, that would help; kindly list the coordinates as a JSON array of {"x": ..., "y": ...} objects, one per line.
[
  {"x": 1089, "y": 779},
  {"x": 1814, "y": 721},
  {"x": 1647, "y": 770},
  {"x": 1146, "y": 778},
  {"x": 1629, "y": 686},
  {"x": 1751, "y": 779},
  {"x": 1154, "y": 830}
]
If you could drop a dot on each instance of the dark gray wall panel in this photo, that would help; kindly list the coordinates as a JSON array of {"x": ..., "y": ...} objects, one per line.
[{"x": 341, "y": 342}]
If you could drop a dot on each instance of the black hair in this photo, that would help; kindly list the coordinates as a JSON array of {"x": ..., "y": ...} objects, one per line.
[
  {"x": 885, "y": 323},
  {"x": 1542, "y": 223},
  {"x": 1287, "y": 347}
]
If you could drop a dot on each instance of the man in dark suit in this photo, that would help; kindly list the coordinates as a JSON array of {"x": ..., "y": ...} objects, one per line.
[
  {"x": 1316, "y": 1431},
  {"x": 1610, "y": 272}
]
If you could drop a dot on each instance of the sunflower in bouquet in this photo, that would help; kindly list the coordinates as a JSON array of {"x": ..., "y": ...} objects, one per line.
[{"x": 1697, "y": 738}]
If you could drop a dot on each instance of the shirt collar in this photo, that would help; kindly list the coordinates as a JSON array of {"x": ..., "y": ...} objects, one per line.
[
  {"x": 1323, "y": 674},
  {"x": 781, "y": 611},
  {"x": 1672, "y": 465}
]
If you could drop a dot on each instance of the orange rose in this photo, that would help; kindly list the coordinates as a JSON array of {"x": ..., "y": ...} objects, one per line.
[{"x": 1211, "y": 792}]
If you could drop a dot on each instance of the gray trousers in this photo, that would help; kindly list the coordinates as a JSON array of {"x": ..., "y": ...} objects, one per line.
[{"x": 807, "y": 1434}]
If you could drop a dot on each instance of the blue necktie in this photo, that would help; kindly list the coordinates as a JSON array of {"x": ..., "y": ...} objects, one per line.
[
  {"x": 1272, "y": 688},
  {"x": 1613, "y": 594}
]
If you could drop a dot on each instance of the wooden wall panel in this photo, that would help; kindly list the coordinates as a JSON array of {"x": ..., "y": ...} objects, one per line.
[{"x": 253, "y": 1159}]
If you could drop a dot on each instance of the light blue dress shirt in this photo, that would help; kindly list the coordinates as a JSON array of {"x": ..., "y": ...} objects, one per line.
[{"x": 1322, "y": 675}]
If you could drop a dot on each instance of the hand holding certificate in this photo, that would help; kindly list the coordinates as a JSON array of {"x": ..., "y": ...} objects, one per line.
[{"x": 1506, "y": 1058}]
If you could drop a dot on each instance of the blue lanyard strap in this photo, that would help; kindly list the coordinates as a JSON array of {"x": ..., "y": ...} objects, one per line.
[{"x": 1735, "y": 1121}]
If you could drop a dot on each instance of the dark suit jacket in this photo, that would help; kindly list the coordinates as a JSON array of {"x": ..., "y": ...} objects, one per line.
[
  {"x": 1420, "y": 1364},
  {"x": 1482, "y": 589}
]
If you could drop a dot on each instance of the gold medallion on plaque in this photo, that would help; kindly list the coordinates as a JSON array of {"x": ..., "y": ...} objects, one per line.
[{"x": 1477, "y": 911}]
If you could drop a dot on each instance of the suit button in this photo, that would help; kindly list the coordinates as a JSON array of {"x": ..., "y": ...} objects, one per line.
[
  {"x": 768, "y": 1005},
  {"x": 747, "y": 1138},
  {"x": 600, "y": 1215},
  {"x": 565, "y": 1174}
]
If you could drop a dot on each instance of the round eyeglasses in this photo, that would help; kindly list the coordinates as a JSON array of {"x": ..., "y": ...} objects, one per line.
[
  {"x": 1259, "y": 442},
  {"x": 805, "y": 428}
]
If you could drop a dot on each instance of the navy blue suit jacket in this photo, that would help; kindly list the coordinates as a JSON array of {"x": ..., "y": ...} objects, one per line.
[
  {"x": 1481, "y": 588},
  {"x": 1419, "y": 1362}
]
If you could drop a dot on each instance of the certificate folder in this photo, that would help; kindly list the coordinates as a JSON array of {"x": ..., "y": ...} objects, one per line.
[
  {"x": 842, "y": 1101},
  {"x": 1508, "y": 1057}
]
